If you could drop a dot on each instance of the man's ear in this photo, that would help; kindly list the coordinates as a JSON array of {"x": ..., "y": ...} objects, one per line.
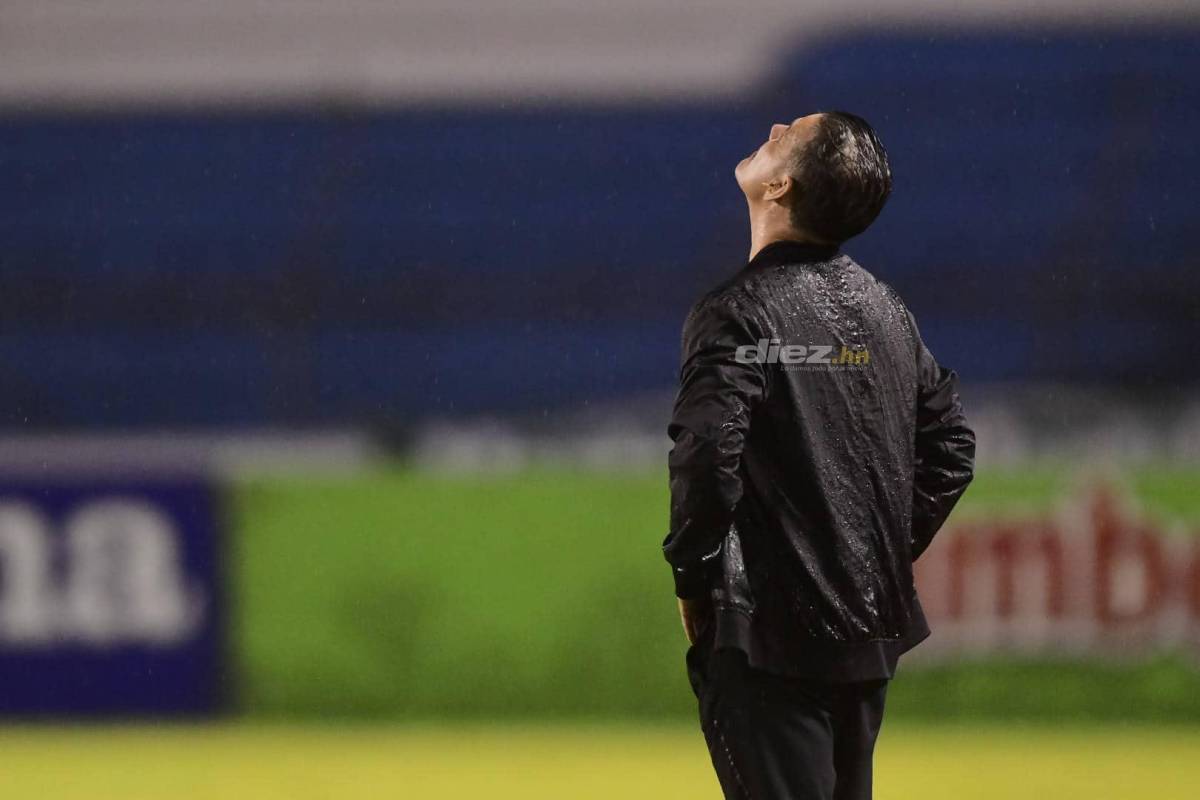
[{"x": 777, "y": 188}]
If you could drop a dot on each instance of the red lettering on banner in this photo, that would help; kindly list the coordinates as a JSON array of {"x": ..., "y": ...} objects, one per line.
[
  {"x": 1128, "y": 553},
  {"x": 1093, "y": 576}
]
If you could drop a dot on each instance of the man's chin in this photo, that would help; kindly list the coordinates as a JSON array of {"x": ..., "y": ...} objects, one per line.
[{"x": 738, "y": 172}]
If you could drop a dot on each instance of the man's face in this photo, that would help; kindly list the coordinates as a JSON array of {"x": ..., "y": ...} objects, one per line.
[{"x": 769, "y": 163}]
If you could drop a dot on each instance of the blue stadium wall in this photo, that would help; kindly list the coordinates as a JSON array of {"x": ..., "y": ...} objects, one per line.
[{"x": 378, "y": 267}]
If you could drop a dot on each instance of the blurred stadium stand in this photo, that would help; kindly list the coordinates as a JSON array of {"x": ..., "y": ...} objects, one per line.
[{"x": 174, "y": 267}]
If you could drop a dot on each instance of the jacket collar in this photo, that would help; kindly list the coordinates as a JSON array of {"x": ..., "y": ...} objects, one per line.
[{"x": 787, "y": 251}]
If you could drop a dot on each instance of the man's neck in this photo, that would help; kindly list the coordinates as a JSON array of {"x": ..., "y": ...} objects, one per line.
[{"x": 767, "y": 229}]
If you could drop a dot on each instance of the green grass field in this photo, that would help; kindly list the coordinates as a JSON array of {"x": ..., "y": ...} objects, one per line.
[{"x": 314, "y": 762}]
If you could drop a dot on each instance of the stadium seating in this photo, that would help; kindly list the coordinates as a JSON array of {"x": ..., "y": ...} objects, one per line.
[{"x": 382, "y": 267}]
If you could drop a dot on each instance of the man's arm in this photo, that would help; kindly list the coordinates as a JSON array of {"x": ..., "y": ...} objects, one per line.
[
  {"x": 945, "y": 448},
  {"x": 708, "y": 426}
]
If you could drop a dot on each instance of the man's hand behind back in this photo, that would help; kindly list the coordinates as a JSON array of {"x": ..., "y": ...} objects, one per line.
[{"x": 697, "y": 615}]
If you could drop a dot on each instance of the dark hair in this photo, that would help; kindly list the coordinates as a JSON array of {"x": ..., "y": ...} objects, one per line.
[{"x": 843, "y": 178}]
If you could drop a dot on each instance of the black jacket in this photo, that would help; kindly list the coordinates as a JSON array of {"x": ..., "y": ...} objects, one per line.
[{"x": 802, "y": 490}]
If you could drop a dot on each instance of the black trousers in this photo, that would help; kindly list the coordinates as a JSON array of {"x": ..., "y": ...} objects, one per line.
[{"x": 779, "y": 738}]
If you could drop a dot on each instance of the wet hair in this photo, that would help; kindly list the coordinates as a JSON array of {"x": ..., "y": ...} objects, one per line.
[{"x": 843, "y": 178}]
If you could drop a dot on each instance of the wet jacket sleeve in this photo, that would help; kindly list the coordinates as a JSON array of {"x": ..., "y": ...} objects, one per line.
[
  {"x": 709, "y": 424},
  {"x": 945, "y": 449}
]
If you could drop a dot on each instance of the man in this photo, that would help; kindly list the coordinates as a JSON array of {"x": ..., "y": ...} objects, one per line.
[{"x": 818, "y": 447}]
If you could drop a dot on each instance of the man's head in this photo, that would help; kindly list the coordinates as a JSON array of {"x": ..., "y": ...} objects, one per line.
[{"x": 829, "y": 171}]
